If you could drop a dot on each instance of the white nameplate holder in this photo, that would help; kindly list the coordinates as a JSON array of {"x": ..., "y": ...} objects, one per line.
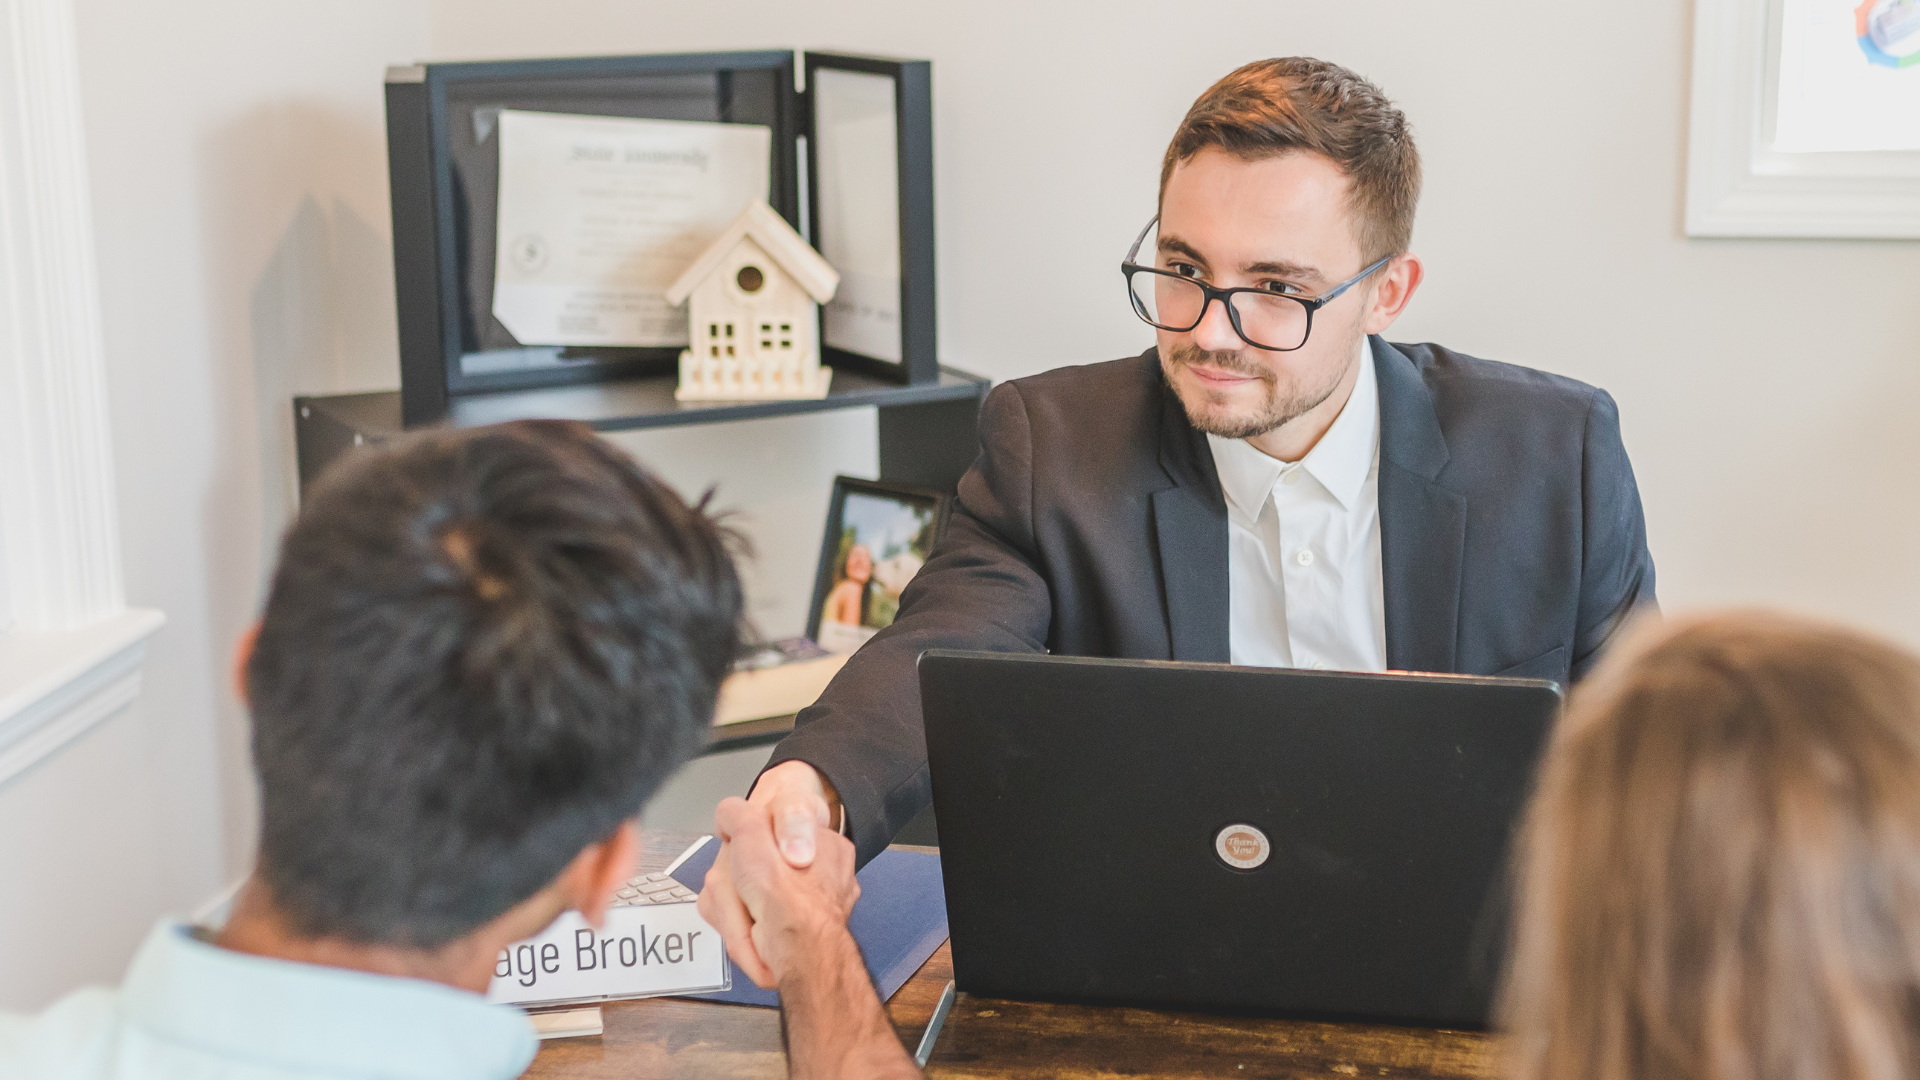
[
  {"x": 637, "y": 952},
  {"x": 640, "y": 951}
]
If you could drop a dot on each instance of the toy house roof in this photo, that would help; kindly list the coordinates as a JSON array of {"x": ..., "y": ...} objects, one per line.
[{"x": 777, "y": 239}]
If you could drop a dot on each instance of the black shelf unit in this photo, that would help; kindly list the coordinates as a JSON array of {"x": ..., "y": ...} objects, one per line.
[{"x": 927, "y": 435}]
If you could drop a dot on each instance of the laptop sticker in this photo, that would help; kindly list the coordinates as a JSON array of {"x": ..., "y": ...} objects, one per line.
[{"x": 1242, "y": 847}]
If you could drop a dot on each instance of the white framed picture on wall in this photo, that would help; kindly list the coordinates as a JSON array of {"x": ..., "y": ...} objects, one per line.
[{"x": 1805, "y": 119}]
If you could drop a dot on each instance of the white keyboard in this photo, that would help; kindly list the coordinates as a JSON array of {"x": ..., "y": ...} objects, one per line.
[{"x": 653, "y": 889}]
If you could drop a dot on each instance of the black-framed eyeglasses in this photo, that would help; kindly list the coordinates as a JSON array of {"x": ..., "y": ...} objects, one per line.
[{"x": 1264, "y": 319}]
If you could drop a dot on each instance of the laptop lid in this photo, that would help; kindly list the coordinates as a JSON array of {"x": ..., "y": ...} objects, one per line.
[{"x": 1102, "y": 825}]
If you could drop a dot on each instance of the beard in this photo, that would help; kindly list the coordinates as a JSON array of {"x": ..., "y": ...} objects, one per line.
[{"x": 1279, "y": 405}]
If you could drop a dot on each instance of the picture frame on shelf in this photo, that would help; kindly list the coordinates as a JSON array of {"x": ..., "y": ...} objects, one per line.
[
  {"x": 869, "y": 160},
  {"x": 878, "y": 536}
]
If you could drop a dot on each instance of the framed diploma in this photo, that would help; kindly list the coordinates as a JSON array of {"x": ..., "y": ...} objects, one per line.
[
  {"x": 596, "y": 217},
  {"x": 542, "y": 207},
  {"x": 870, "y": 158},
  {"x": 539, "y": 208}
]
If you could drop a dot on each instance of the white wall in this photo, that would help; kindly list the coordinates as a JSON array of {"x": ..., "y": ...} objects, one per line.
[
  {"x": 239, "y": 174},
  {"x": 237, "y": 152},
  {"x": 1767, "y": 388}
]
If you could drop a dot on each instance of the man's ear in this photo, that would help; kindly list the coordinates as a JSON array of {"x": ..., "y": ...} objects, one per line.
[
  {"x": 242, "y": 656},
  {"x": 600, "y": 869},
  {"x": 1397, "y": 282}
]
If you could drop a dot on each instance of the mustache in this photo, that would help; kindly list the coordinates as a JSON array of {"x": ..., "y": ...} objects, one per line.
[{"x": 1231, "y": 361}]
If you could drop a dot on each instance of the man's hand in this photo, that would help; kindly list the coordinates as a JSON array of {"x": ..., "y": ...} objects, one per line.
[
  {"x": 795, "y": 801},
  {"x": 795, "y": 912},
  {"x": 832, "y": 1021},
  {"x": 798, "y": 800}
]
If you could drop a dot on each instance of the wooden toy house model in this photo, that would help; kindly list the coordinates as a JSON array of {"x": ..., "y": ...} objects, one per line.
[{"x": 753, "y": 313}]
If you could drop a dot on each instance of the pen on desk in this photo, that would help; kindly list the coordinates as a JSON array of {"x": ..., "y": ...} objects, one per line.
[{"x": 932, "y": 1035}]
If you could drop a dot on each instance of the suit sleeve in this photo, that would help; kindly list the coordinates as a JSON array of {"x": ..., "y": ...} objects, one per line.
[
  {"x": 1616, "y": 573},
  {"x": 982, "y": 589}
]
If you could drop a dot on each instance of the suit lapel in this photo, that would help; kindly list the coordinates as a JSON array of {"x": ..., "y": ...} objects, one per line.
[
  {"x": 1190, "y": 525},
  {"x": 1422, "y": 530},
  {"x": 1423, "y": 526}
]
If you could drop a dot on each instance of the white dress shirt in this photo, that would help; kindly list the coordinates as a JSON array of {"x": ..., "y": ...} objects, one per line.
[{"x": 1303, "y": 544}]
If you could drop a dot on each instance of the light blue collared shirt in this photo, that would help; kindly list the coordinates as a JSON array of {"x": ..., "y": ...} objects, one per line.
[{"x": 189, "y": 1009}]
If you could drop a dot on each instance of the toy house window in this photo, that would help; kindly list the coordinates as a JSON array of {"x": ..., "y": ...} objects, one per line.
[
  {"x": 713, "y": 329},
  {"x": 786, "y": 344},
  {"x": 729, "y": 334},
  {"x": 750, "y": 279}
]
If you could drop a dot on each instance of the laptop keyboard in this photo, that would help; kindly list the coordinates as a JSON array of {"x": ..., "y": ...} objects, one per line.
[{"x": 653, "y": 889}]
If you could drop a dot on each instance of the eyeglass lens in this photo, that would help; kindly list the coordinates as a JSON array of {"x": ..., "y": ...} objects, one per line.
[{"x": 1175, "y": 303}]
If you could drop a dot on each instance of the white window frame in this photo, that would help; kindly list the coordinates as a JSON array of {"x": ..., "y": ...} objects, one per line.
[
  {"x": 1738, "y": 185},
  {"x": 6, "y": 583},
  {"x": 70, "y": 648}
]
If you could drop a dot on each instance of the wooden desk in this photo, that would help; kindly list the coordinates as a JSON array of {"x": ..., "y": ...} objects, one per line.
[
  {"x": 662, "y": 1038},
  {"x": 747, "y": 733}
]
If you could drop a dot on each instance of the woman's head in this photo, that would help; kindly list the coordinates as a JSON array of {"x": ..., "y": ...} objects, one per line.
[
  {"x": 859, "y": 563},
  {"x": 1720, "y": 870}
]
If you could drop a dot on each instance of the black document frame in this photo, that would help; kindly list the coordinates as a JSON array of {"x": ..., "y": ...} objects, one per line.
[
  {"x": 442, "y": 291},
  {"x": 913, "y": 126}
]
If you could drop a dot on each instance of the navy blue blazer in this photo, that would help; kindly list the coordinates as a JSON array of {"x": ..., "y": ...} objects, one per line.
[{"x": 1092, "y": 524}]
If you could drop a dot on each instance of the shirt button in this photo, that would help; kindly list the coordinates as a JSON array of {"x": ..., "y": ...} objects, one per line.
[
  {"x": 1305, "y": 558},
  {"x": 1292, "y": 476}
]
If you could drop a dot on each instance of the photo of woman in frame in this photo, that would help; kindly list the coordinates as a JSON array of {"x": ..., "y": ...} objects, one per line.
[{"x": 878, "y": 540}]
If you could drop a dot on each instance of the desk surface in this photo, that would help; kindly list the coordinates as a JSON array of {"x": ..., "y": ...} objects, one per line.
[
  {"x": 658, "y": 1038},
  {"x": 747, "y": 733}
]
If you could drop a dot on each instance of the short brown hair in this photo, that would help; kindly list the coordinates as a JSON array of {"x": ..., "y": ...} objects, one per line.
[
  {"x": 1269, "y": 107},
  {"x": 484, "y": 649},
  {"x": 1720, "y": 871}
]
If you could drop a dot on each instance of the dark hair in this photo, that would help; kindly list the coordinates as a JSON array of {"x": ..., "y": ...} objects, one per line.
[
  {"x": 483, "y": 649},
  {"x": 1720, "y": 871},
  {"x": 1269, "y": 107}
]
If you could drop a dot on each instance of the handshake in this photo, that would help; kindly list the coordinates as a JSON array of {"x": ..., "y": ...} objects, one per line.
[{"x": 779, "y": 894}]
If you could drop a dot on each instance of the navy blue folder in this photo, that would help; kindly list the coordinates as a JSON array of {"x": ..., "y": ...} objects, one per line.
[{"x": 899, "y": 920}]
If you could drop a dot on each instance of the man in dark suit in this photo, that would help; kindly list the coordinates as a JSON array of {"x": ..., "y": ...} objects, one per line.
[{"x": 1273, "y": 483}]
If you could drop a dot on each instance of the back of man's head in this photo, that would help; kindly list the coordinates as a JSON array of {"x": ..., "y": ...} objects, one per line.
[{"x": 483, "y": 650}]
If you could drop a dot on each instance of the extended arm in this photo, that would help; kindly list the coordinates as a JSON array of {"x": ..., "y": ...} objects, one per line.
[
  {"x": 982, "y": 589},
  {"x": 830, "y": 1015},
  {"x": 860, "y": 750}
]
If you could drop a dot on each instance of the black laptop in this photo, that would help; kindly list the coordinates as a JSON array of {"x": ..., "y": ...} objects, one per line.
[{"x": 1202, "y": 836}]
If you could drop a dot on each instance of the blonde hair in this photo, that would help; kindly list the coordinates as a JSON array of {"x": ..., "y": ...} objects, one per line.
[{"x": 1719, "y": 875}]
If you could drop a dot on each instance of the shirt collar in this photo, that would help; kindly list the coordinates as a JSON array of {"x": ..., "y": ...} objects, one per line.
[
  {"x": 1344, "y": 456},
  {"x": 325, "y": 1021},
  {"x": 1247, "y": 476},
  {"x": 1340, "y": 461}
]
